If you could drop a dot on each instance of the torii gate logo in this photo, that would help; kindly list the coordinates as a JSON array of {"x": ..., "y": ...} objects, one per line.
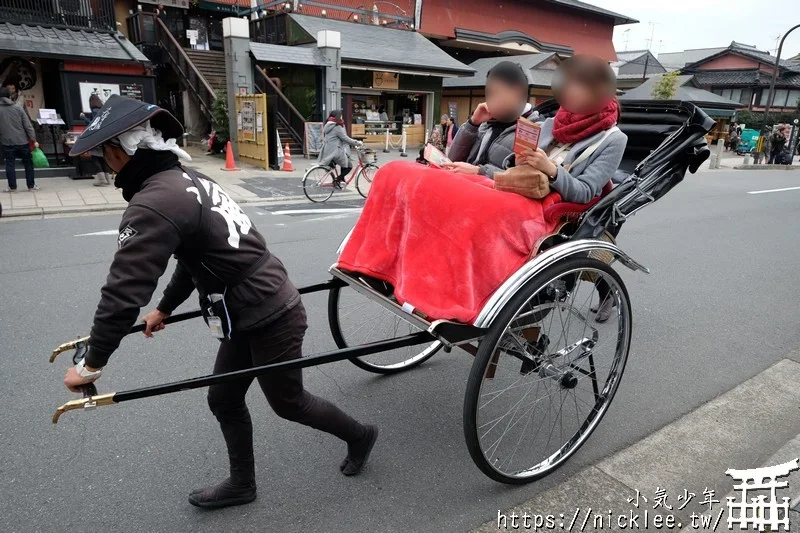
[{"x": 760, "y": 513}]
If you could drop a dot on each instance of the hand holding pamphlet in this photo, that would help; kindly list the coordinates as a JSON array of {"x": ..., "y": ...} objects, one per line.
[
  {"x": 435, "y": 157},
  {"x": 526, "y": 136}
]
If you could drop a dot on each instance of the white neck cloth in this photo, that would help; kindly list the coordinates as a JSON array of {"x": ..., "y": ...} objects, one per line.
[{"x": 144, "y": 136}]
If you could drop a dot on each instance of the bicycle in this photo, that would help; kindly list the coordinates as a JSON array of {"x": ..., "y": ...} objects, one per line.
[{"x": 319, "y": 181}]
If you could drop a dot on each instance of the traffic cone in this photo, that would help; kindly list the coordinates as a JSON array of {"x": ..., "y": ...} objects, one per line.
[
  {"x": 287, "y": 159},
  {"x": 230, "y": 164}
]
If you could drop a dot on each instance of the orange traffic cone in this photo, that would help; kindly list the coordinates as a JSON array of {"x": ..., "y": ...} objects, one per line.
[
  {"x": 230, "y": 164},
  {"x": 287, "y": 159}
]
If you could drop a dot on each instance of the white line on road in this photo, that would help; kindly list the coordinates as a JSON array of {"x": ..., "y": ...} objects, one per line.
[
  {"x": 316, "y": 211},
  {"x": 107, "y": 232},
  {"x": 774, "y": 190}
]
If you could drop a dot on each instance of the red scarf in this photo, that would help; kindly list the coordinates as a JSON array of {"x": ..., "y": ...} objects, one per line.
[
  {"x": 570, "y": 128},
  {"x": 339, "y": 122}
]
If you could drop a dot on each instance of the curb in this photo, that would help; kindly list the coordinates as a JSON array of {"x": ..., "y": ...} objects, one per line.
[
  {"x": 766, "y": 167},
  {"x": 119, "y": 207},
  {"x": 692, "y": 453}
]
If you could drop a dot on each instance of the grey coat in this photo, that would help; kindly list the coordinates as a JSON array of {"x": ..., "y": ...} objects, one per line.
[
  {"x": 468, "y": 142},
  {"x": 336, "y": 146},
  {"x": 584, "y": 181},
  {"x": 15, "y": 126}
]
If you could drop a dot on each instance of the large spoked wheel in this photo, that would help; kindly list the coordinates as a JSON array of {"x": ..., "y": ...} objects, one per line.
[
  {"x": 547, "y": 371},
  {"x": 364, "y": 179},
  {"x": 355, "y": 319},
  {"x": 318, "y": 184}
]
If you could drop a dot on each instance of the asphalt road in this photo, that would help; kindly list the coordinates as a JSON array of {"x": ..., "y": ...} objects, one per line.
[{"x": 720, "y": 305}]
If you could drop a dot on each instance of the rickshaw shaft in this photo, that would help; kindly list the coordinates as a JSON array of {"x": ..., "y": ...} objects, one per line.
[{"x": 413, "y": 339}]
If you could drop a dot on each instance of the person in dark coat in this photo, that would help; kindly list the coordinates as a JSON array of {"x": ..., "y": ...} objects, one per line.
[
  {"x": 248, "y": 301},
  {"x": 336, "y": 146},
  {"x": 16, "y": 131},
  {"x": 777, "y": 144},
  {"x": 485, "y": 141}
]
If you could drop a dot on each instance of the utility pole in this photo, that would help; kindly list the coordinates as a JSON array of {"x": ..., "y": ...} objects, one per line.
[{"x": 775, "y": 70}]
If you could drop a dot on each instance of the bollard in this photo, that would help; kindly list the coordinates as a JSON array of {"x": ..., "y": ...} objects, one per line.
[
  {"x": 386, "y": 148},
  {"x": 712, "y": 161},
  {"x": 748, "y": 160},
  {"x": 720, "y": 149},
  {"x": 403, "y": 139}
]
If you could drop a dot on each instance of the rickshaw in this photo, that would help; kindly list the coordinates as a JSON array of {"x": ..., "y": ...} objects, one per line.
[{"x": 545, "y": 369}]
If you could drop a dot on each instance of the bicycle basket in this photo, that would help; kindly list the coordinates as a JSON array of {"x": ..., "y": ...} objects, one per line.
[{"x": 368, "y": 156}]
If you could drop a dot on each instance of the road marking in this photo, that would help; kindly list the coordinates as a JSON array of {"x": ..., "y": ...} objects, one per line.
[
  {"x": 774, "y": 190},
  {"x": 107, "y": 232},
  {"x": 316, "y": 211}
]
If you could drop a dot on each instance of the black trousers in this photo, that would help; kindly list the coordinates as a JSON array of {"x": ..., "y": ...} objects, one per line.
[{"x": 281, "y": 340}]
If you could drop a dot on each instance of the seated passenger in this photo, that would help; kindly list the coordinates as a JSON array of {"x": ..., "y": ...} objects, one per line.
[
  {"x": 581, "y": 148},
  {"x": 445, "y": 241},
  {"x": 486, "y": 140}
]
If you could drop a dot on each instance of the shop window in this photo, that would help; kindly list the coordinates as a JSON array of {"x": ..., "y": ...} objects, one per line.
[
  {"x": 780, "y": 98},
  {"x": 746, "y": 96},
  {"x": 793, "y": 99}
]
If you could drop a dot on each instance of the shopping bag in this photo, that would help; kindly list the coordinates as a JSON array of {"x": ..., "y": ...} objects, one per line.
[{"x": 39, "y": 159}]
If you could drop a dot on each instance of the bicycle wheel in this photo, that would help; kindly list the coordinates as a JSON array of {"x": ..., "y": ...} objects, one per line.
[
  {"x": 364, "y": 179},
  {"x": 546, "y": 373},
  {"x": 318, "y": 184},
  {"x": 355, "y": 319}
]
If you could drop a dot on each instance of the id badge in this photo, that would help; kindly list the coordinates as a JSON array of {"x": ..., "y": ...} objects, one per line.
[{"x": 215, "y": 325}]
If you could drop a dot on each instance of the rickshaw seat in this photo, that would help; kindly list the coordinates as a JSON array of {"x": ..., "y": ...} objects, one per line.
[{"x": 556, "y": 211}]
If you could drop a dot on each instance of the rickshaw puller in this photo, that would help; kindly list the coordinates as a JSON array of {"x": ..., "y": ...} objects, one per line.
[{"x": 248, "y": 301}]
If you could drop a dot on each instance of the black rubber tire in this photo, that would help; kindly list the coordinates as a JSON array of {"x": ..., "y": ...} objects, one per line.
[
  {"x": 486, "y": 349},
  {"x": 338, "y": 338},
  {"x": 362, "y": 174},
  {"x": 305, "y": 191}
]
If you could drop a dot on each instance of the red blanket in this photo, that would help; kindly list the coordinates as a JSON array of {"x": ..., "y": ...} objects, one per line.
[{"x": 445, "y": 241}]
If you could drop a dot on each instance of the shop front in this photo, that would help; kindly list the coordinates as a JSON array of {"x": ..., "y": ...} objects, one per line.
[
  {"x": 377, "y": 102},
  {"x": 54, "y": 82}
]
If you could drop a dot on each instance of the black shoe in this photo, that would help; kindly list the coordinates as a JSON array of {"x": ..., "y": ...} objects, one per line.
[
  {"x": 358, "y": 452},
  {"x": 225, "y": 494},
  {"x": 339, "y": 183}
]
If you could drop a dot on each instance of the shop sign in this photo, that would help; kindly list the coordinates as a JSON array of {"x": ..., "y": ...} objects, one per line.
[
  {"x": 181, "y": 4},
  {"x": 132, "y": 90},
  {"x": 385, "y": 80},
  {"x": 248, "y": 121}
]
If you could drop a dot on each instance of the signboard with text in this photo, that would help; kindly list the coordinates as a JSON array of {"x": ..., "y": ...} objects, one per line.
[{"x": 385, "y": 80}]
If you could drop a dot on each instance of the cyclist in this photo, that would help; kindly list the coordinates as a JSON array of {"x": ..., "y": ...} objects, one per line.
[{"x": 336, "y": 146}]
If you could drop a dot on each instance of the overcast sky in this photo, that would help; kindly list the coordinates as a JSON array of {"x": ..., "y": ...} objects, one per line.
[{"x": 684, "y": 24}]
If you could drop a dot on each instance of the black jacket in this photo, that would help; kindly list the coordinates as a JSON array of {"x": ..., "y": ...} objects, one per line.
[{"x": 176, "y": 211}]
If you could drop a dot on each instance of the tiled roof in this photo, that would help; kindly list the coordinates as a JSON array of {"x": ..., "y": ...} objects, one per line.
[
  {"x": 686, "y": 91},
  {"x": 289, "y": 55},
  {"x": 536, "y": 77},
  {"x": 40, "y": 41},
  {"x": 744, "y": 78},
  {"x": 583, "y": 6},
  {"x": 367, "y": 44}
]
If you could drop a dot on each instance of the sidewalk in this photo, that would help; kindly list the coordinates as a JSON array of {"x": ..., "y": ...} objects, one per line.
[
  {"x": 249, "y": 185},
  {"x": 753, "y": 425},
  {"x": 731, "y": 161}
]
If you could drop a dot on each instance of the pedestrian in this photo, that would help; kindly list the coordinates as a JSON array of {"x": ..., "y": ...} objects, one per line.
[
  {"x": 777, "y": 143},
  {"x": 733, "y": 139},
  {"x": 248, "y": 301},
  {"x": 16, "y": 131},
  {"x": 450, "y": 131},
  {"x": 765, "y": 143},
  {"x": 97, "y": 165}
]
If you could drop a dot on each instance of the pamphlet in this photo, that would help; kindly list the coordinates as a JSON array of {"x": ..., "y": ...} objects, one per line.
[
  {"x": 435, "y": 157},
  {"x": 527, "y": 136}
]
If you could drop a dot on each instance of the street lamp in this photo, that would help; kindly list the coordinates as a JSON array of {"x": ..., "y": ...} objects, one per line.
[{"x": 771, "y": 93}]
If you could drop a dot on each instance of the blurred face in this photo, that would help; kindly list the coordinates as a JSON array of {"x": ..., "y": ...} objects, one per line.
[
  {"x": 505, "y": 102},
  {"x": 584, "y": 84}
]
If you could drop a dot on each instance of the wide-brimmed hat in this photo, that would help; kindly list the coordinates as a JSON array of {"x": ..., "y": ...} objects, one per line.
[{"x": 120, "y": 114}]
